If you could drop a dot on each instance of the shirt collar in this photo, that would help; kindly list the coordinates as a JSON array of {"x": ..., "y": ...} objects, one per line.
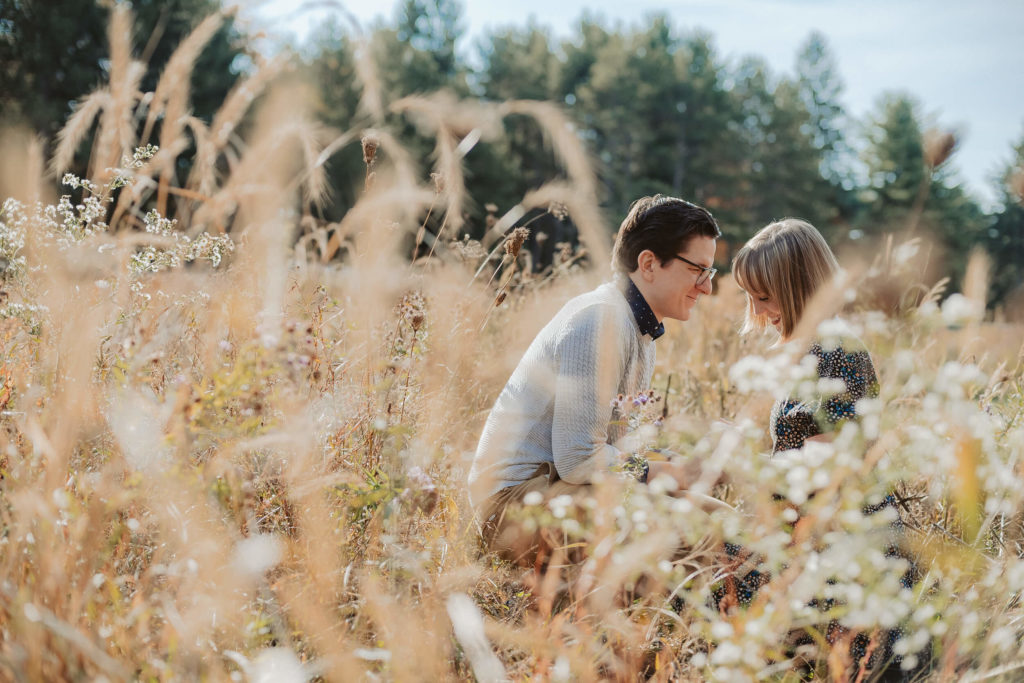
[{"x": 645, "y": 318}]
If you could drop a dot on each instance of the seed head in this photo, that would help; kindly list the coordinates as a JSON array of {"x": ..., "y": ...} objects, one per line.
[
  {"x": 515, "y": 241},
  {"x": 559, "y": 210},
  {"x": 438, "y": 182},
  {"x": 370, "y": 144},
  {"x": 938, "y": 145},
  {"x": 498, "y": 300}
]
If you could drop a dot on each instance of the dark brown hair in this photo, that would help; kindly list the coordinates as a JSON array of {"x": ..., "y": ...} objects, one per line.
[{"x": 665, "y": 225}]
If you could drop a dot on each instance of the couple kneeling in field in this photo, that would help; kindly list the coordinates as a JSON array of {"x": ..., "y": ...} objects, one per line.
[{"x": 554, "y": 425}]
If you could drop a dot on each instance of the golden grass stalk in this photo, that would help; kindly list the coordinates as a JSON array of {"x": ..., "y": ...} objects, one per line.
[
  {"x": 116, "y": 136},
  {"x": 372, "y": 100},
  {"x": 585, "y": 213},
  {"x": 171, "y": 96},
  {"x": 77, "y": 127}
]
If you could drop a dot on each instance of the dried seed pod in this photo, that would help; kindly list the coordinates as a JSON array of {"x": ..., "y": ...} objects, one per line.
[
  {"x": 559, "y": 210},
  {"x": 938, "y": 146},
  {"x": 500, "y": 299},
  {"x": 370, "y": 144},
  {"x": 515, "y": 241}
]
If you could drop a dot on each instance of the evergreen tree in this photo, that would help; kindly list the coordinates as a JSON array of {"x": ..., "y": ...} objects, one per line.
[
  {"x": 782, "y": 162},
  {"x": 330, "y": 66},
  {"x": 819, "y": 89},
  {"x": 895, "y": 161},
  {"x": 518, "y": 64},
  {"x": 910, "y": 189},
  {"x": 1005, "y": 241}
]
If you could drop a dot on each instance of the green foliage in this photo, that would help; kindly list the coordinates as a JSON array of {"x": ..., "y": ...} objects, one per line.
[
  {"x": 54, "y": 52},
  {"x": 1005, "y": 238}
]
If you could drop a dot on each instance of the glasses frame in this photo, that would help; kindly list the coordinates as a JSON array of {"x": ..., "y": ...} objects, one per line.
[{"x": 706, "y": 275}]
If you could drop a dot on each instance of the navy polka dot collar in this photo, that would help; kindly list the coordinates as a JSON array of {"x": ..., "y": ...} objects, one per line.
[{"x": 645, "y": 319}]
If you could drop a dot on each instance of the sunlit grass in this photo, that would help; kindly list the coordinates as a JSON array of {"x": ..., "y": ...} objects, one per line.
[{"x": 223, "y": 453}]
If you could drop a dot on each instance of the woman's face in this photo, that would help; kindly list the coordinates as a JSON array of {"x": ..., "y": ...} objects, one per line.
[{"x": 765, "y": 305}]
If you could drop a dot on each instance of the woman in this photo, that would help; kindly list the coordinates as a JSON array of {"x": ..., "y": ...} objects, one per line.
[{"x": 780, "y": 269}]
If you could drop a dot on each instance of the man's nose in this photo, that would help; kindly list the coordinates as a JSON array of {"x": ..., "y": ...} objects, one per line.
[{"x": 705, "y": 286}]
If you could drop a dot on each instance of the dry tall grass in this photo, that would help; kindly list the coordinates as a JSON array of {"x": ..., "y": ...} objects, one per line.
[{"x": 257, "y": 466}]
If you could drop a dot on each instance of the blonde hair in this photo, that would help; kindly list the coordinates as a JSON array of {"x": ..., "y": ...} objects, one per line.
[{"x": 787, "y": 260}]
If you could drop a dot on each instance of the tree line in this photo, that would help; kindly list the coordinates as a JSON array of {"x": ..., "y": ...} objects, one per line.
[{"x": 658, "y": 108}]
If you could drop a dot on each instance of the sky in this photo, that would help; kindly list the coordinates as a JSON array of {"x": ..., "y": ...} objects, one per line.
[{"x": 963, "y": 61}]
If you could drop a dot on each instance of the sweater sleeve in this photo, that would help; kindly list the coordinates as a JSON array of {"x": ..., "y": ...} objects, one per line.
[{"x": 591, "y": 357}]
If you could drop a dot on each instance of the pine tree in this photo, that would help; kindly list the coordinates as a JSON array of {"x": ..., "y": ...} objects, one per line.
[{"x": 1005, "y": 243}]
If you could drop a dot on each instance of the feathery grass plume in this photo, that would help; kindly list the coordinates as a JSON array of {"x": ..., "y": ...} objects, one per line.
[
  {"x": 372, "y": 99},
  {"x": 77, "y": 128},
  {"x": 116, "y": 135},
  {"x": 560, "y": 132},
  {"x": 938, "y": 146},
  {"x": 586, "y": 215},
  {"x": 227, "y": 118},
  {"x": 172, "y": 93},
  {"x": 270, "y": 160},
  {"x": 457, "y": 127},
  {"x": 251, "y": 176},
  {"x": 313, "y": 139}
]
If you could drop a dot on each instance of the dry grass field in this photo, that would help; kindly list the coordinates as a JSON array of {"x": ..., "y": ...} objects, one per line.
[{"x": 235, "y": 445}]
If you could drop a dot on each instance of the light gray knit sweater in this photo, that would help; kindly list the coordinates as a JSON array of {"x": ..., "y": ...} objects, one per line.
[{"x": 556, "y": 406}]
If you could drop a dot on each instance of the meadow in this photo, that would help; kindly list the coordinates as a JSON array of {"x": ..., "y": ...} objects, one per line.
[{"x": 235, "y": 443}]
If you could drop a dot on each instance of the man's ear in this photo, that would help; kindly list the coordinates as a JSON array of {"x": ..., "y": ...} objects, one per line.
[{"x": 646, "y": 262}]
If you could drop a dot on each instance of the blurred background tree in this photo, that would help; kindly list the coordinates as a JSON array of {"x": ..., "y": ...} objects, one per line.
[
  {"x": 53, "y": 52},
  {"x": 1005, "y": 237}
]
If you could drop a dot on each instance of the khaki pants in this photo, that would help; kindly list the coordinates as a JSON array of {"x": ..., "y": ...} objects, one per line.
[{"x": 502, "y": 529}]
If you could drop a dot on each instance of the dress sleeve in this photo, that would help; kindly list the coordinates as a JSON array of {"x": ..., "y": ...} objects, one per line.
[{"x": 857, "y": 372}]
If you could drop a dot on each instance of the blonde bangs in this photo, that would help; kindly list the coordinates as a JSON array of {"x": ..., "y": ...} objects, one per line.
[
  {"x": 752, "y": 269},
  {"x": 787, "y": 261}
]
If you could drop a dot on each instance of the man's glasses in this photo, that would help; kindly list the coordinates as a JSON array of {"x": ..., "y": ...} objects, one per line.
[{"x": 706, "y": 274}]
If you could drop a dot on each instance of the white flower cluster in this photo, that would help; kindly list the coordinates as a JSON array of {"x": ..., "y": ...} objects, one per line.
[
  {"x": 778, "y": 374},
  {"x": 151, "y": 259},
  {"x": 29, "y": 314},
  {"x": 125, "y": 175},
  {"x": 67, "y": 224},
  {"x": 12, "y": 238}
]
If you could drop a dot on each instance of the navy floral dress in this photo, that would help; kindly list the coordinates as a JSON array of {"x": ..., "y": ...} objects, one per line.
[{"x": 793, "y": 421}]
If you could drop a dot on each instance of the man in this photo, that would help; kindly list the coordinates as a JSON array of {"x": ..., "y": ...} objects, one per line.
[{"x": 552, "y": 426}]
